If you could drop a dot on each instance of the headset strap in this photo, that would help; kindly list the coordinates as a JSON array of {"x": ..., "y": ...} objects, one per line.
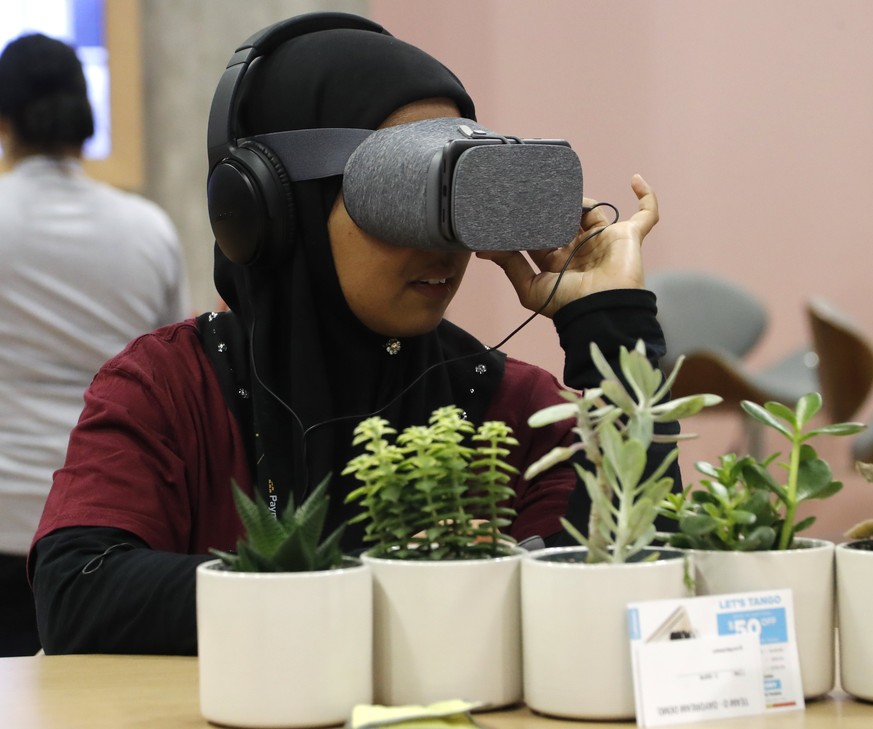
[{"x": 311, "y": 154}]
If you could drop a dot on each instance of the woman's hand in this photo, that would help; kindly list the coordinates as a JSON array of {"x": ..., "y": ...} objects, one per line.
[{"x": 610, "y": 260}]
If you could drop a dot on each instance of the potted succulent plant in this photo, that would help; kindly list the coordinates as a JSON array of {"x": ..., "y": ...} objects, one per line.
[
  {"x": 446, "y": 581},
  {"x": 742, "y": 524},
  {"x": 574, "y": 599},
  {"x": 287, "y": 591},
  {"x": 854, "y": 565}
]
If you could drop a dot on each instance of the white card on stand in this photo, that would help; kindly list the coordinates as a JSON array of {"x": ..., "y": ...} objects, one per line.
[{"x": 714, "y": 657}]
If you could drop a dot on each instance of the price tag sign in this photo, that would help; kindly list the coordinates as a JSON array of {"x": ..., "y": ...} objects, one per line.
[{"x": 714, "y": 657}]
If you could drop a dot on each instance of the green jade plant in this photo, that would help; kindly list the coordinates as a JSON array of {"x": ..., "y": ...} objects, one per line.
[
  {"x": 426, "y": 494},
  {"x": 289, "y": 543},
  {"x": 742, "y": 506},
  {"x": 615, "y": 425}
]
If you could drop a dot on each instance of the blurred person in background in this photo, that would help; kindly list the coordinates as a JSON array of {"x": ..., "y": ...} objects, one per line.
[{"x": 86, "y": 268}]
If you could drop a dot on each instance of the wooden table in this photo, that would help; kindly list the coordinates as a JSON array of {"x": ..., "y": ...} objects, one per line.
[{"x": 160, "y": 692}]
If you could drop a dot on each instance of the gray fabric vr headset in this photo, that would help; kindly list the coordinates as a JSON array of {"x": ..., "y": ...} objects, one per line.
[
  {"x": 449, "y": 183},
  {"x": 446, "y": 184}
]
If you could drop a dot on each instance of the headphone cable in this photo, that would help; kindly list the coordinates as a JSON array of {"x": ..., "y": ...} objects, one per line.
[{"x": 306, "y": 430}]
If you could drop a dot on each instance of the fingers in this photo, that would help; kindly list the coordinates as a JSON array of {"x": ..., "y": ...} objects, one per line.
[
  {"x": 551, "y": 259},
  {"x": 647, "y": 215},
  {"x": 609, "y": 260},
  {"x": 595, "y": 218},
  {"x": 644, "y": 218}
]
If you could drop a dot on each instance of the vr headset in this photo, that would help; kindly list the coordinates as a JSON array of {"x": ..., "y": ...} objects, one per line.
[
  {"x": 445, "y": 184},
  {"x": 450, "y": 184}
]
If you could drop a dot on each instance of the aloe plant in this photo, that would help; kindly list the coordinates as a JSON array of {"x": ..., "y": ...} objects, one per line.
[
  {"x": 615, "y": 425},
  {"x": 290, "y": 543},
  {"x": 742, "y": 505},
  {"x": 426, "y": 494}
]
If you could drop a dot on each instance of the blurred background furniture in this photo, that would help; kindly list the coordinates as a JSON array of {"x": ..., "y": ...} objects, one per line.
[
  {"x": 702, "y": 312},
  {"x": 862, "y": 447},
  {"x": 714, "y": 322},
  {"x": 845, "y": 360},
  {"x": 845, "y": 356}
]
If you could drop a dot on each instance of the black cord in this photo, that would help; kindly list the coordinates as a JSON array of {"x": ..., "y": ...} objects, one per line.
[
  {"x": 305, "y": 431},
  {"x": 563, "y": 270}
]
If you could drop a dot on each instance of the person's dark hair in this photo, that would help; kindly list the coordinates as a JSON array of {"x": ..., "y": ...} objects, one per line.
[{"x": 43, "y": 93}]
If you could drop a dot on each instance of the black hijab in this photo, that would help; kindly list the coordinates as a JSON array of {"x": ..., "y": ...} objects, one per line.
[{"x": 291, "y": 356}]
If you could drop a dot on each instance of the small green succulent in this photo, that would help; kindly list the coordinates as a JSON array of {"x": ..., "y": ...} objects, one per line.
[
  {"x": 289, "y": 543},
  {"x": 426, "y": 494},
  {"x": 742, "y": 506}
]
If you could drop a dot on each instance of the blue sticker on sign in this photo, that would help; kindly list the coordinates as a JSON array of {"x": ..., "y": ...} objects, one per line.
[
  {"x": 769, "y": 625},
  {"x": 633, "y": 618}
]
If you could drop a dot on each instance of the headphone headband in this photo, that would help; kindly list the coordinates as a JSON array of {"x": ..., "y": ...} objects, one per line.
[
  {"x": 222, "y": 129},
  {"x": 251, "y": 204}
]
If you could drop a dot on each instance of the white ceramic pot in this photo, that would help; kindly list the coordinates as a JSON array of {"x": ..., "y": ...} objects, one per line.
[
  {"x": 808, "y": 571},
  {"x": 854, "y": 600},
  {"x": 446, "y": 630},
  {"x": 576, "y": 640},
  {"x": 288, "y": 649}
]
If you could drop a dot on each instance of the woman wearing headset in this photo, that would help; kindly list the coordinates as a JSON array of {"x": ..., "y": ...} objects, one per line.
[{"x": 327, "y": 324}]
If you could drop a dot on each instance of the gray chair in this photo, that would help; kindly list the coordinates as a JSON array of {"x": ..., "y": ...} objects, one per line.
[
  {"x": 702, "y": 312},
  {"x": 714, "y": 323}
]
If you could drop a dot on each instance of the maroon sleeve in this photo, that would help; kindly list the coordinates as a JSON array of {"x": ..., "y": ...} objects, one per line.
[
  {"x": 542, "y": 502},
  {"x": 154, "y": 447},
  {"x": 121, "y": 535}
]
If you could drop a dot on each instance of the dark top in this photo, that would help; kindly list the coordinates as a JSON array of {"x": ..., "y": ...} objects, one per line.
[{"x": 145, "y": 491}]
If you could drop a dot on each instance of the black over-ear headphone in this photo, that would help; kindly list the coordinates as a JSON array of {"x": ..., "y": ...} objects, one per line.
[{"x": 251, "y": 206}]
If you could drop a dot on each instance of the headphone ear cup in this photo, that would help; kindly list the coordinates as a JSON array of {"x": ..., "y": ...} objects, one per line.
[
  {"x": 278, "y": 236},
  {"x": 251, "y": 205}
]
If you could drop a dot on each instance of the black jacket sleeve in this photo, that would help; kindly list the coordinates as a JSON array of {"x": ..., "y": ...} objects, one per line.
[
  {"x": 103, "y": 590},
  {"x": 612, "y": 319}
]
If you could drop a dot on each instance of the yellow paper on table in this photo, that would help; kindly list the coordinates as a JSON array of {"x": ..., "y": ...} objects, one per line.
[{"x": 450, "y": 714}]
